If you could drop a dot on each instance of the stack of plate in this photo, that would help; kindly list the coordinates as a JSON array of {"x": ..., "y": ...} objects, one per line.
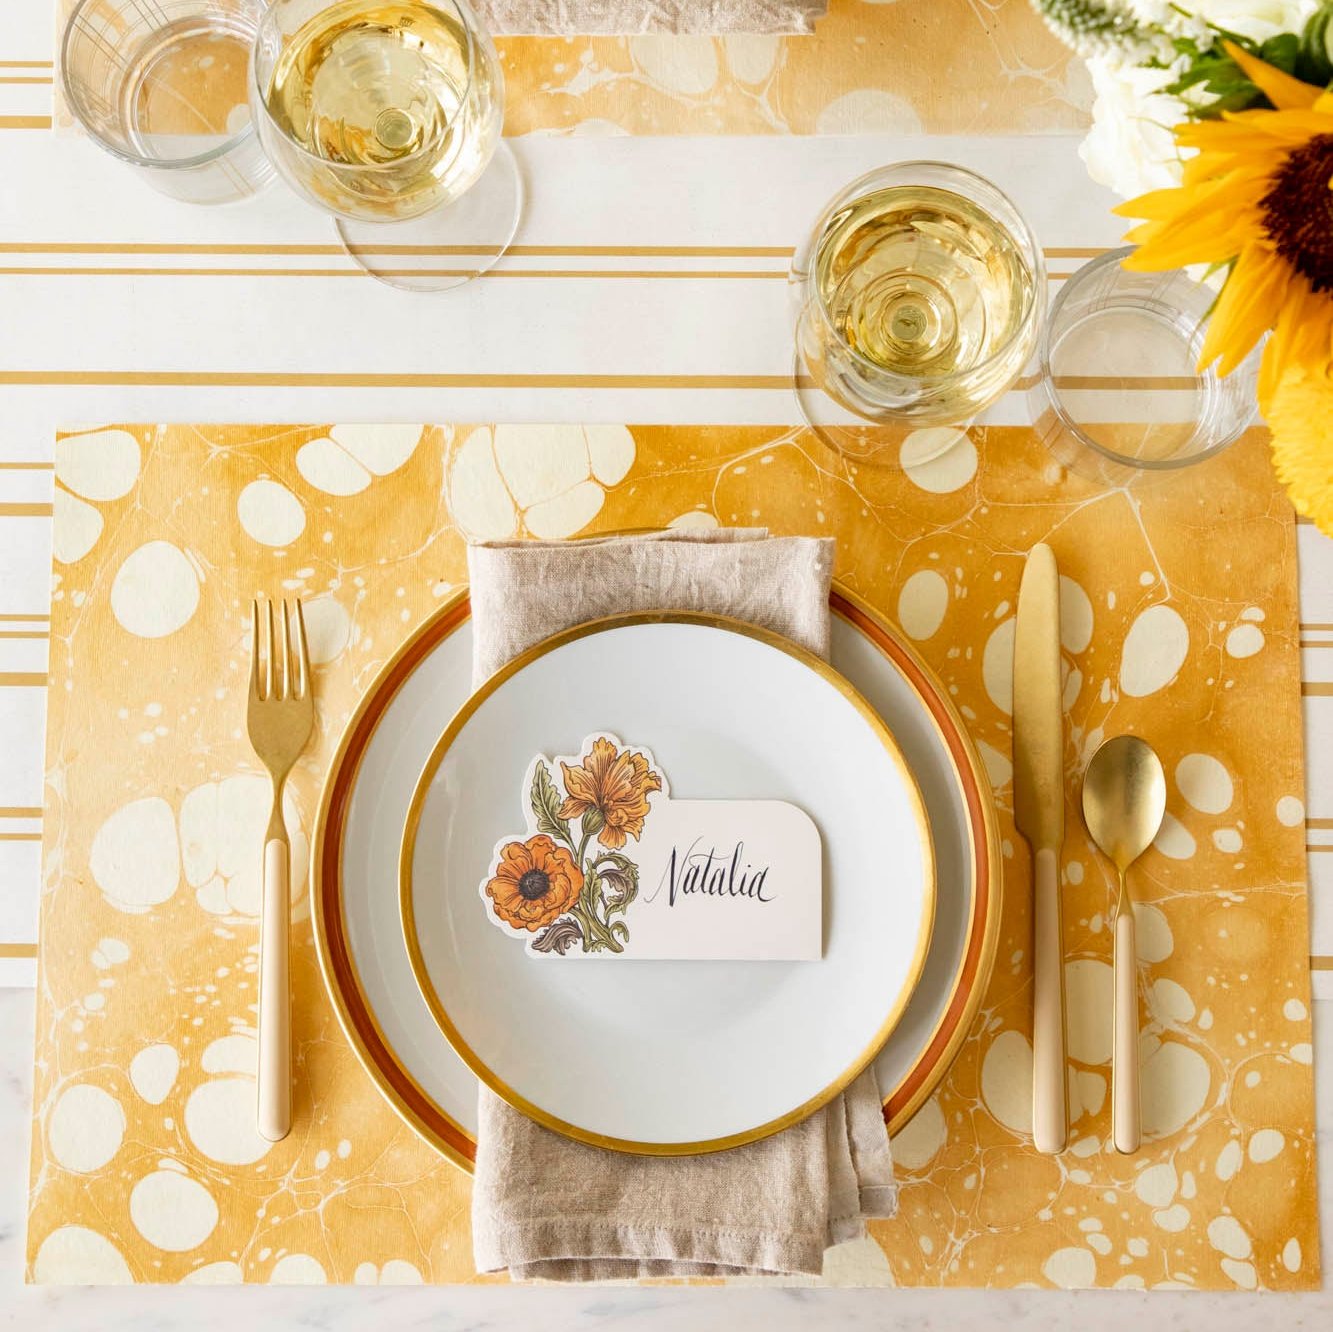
[{"x": 659, "y": 1057}]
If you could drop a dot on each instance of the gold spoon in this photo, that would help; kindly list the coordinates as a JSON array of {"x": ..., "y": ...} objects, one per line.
[{"x": 1124, "y": 798}]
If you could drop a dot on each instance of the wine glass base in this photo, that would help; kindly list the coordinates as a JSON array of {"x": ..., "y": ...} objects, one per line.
[
  {"x": 450, "y": 246},
  {"x": 896, "y": 444}
]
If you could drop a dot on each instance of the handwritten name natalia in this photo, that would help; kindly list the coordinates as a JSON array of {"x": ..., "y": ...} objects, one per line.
[{"x": 711, "y": 874}]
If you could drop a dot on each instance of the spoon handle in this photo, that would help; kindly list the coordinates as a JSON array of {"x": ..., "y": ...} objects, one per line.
[{"x": 1125, "y": 1052}]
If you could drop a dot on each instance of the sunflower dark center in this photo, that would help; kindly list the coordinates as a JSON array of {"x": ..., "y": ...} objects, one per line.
[
  {"x": 1298, "y": 211},
  {"x": 534, "y": 884}
]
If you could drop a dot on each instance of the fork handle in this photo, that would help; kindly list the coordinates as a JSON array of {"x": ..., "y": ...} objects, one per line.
[{"x": 275, "y": 1011}]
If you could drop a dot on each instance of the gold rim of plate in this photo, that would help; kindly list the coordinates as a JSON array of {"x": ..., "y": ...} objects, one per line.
[
  {"x": 971, "y": 975},
  {"x": 444, "y": 1020}
]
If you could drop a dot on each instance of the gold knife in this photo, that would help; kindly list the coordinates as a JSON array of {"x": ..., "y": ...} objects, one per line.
[{"x": 1039, "y": 811}]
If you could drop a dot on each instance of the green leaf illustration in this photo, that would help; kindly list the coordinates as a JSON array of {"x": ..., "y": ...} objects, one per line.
[{"x": 546, "y": 805}]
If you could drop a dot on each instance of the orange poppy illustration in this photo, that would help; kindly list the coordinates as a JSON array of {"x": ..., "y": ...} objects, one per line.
[
  {"x": 612, "y": 786},
  {"x": 534, "y": 882}
]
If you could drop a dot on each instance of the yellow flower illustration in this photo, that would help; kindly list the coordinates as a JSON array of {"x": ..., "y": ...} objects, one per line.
[{"x": 613, "y": 785}]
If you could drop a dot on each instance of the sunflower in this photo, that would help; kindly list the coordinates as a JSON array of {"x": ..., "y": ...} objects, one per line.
[
  {"x": 612, "y": 787},
  {"x": 1259, "y": 196},
  {"x": 534, "y": 882},
  {"x": 1301, "y": 415}
]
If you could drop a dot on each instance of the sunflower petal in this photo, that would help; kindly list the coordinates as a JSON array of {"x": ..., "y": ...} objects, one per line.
[
  {"x": 1302, "y": 442},
  {"x": 1248, "y": 307},
  {"x": 1159, "y": 249},
  {"x": 1233, "y": 136},
  {"x": 1280, "y": 89},
  {"x": 1302, "y": 336}
]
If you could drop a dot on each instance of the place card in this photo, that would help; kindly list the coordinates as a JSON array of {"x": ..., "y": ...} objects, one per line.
[{"x": 609, "y": 865}]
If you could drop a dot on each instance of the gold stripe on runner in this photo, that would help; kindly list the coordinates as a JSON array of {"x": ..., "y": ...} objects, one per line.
[
  {"x": 25, "y": 122},
  {"x": 419, "y": 251},
  {"x": 18, "y": 950},
  {"x": 297, "y": 379},
  {"x": 1317, "y": 688},
  {"x": 20, "y": 812},
  {"x": 351, "y": 271},
  {"x": 22, "y": 679},
  {"x": 1321, "y": 962},
  {"x": 21, "y": 510},
  {"x": 293, "y": 379}
]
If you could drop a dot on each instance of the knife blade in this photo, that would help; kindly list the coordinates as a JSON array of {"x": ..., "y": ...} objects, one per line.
[{"x": 1039, "y": 812}]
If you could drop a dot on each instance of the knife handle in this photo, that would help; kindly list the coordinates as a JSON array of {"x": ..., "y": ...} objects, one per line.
[{"x": 1049, "y": 1089}]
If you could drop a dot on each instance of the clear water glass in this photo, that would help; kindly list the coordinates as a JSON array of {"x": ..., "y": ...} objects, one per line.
[
  {"x": 1118, "y": 392},
  {"x": 161, "y": 85}
]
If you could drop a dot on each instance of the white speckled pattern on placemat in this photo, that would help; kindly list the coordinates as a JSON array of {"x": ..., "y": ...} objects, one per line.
[{"x": 1179, "y": 621}]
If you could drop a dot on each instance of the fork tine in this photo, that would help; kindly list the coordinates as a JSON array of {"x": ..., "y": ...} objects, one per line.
[
  {"x": 286, "y": 652},
  {"x": 268, "y": 650},
  {"x": 254, "y": 648},
  {"x": 302, "y": 653}
]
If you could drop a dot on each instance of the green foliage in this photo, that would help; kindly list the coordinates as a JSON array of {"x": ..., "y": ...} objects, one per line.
[{"x": 546, "y": 804}]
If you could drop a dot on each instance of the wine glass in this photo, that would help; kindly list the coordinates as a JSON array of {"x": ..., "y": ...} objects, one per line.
[
  {"x": 387, "y": 114},
  {"x": 162, "y": 88},
  {"x": 917, "y": 302}
]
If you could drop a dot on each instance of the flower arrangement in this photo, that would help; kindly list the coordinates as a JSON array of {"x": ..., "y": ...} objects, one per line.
[
  {"x": 576, "y": 886},
  {"x": 1218, "y": 116}
]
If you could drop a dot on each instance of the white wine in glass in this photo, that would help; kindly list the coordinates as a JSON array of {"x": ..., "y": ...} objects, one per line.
[
  {"x": 917, "y": 297},
  {"x": 384, "y": 113}
]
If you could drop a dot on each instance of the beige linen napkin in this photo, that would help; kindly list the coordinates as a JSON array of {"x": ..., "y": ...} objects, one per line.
[
  {"x": 546, "y": 1207},
  {"x": 630, "y": 17}
]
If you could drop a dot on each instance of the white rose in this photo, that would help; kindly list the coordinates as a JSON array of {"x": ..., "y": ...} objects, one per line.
[
  {"x": 1130, "y": 147},
  {"x": 1257, "y": 19}
]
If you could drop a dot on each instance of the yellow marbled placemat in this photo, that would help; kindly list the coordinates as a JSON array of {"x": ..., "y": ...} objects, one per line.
[
  {"x": 1179, "y": 621},
  {"x": 908, "y": 67}
]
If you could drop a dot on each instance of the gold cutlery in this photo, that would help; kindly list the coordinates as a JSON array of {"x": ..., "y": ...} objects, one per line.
[
  {"x": 1124, "y": 799},
  {"x": 1039, "y": 811},
  {"x": 280, "y": 717}
]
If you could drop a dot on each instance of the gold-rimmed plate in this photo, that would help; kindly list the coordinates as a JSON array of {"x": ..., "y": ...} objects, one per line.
[
  {"x": 370, "y": 785},
  {"x": 672, "y": 1057}
]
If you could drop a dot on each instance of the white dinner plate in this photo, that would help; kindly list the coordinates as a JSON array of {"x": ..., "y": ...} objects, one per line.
[
  {"x": 672, "y": 1057},
  {"x": 369, "y": 790}
]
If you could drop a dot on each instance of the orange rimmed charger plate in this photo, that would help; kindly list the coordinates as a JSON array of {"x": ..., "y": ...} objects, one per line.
[{"x": 356, "y": 1013}]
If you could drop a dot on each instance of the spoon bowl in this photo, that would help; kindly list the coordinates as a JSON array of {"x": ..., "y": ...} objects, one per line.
[{"x": 1124, "y": 798}]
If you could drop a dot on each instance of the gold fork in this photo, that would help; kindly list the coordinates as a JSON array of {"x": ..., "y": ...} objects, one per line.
[{"x": 280, "y": 717}]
